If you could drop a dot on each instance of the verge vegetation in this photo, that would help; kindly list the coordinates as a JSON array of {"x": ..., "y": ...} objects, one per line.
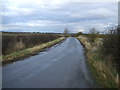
[
  {"x": 12, "y": 42},
  {"x": 103, "y": 56},
  {"x": 16, "y": 46}
]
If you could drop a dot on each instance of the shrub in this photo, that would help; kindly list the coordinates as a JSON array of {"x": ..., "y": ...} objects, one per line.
[
  {"x": 77, "y": 34},
  {"x": 111, "y": 46}
]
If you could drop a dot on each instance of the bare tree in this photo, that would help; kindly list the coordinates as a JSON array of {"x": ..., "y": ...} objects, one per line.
[
  {"x": 94, "y": 31},
  {"x": 93, "y": 34},
  {"x": 66, "y": 31}
]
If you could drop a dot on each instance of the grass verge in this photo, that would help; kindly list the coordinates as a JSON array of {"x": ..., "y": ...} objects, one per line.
[
  {"x": 106, "y": 76},
  {"x": 28, "y": 52}
]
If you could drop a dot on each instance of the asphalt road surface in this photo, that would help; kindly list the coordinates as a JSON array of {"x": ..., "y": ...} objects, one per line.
[{"x": 62, "y": 66}]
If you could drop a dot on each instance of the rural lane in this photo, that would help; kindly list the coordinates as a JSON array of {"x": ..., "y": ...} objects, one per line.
[{"x": 61, "y": 66}]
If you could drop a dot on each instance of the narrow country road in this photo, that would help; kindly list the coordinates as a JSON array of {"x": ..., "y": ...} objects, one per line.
[{"x": 62, "y": 66}]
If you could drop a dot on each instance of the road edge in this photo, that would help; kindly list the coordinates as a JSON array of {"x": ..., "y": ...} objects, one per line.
[{"x": 19, "y": 55}]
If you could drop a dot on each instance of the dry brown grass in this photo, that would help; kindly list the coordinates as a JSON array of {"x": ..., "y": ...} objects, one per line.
[
  {"x": 12, "y": 42},
  {"x": 29, "y": 51},
  {"x": 106, "y": 75}
]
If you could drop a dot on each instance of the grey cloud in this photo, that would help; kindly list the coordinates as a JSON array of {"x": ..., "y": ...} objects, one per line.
[{"x": 83, "y": 15}]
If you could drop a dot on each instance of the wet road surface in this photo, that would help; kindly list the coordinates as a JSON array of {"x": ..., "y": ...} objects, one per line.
[{"x": 62, "y": 66}]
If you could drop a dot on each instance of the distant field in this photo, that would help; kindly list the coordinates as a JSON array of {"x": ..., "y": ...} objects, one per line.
[{"x": 12, "y": 42}]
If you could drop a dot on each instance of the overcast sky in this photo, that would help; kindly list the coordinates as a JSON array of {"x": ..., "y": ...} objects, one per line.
[{"x": 55, "y": 15}]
